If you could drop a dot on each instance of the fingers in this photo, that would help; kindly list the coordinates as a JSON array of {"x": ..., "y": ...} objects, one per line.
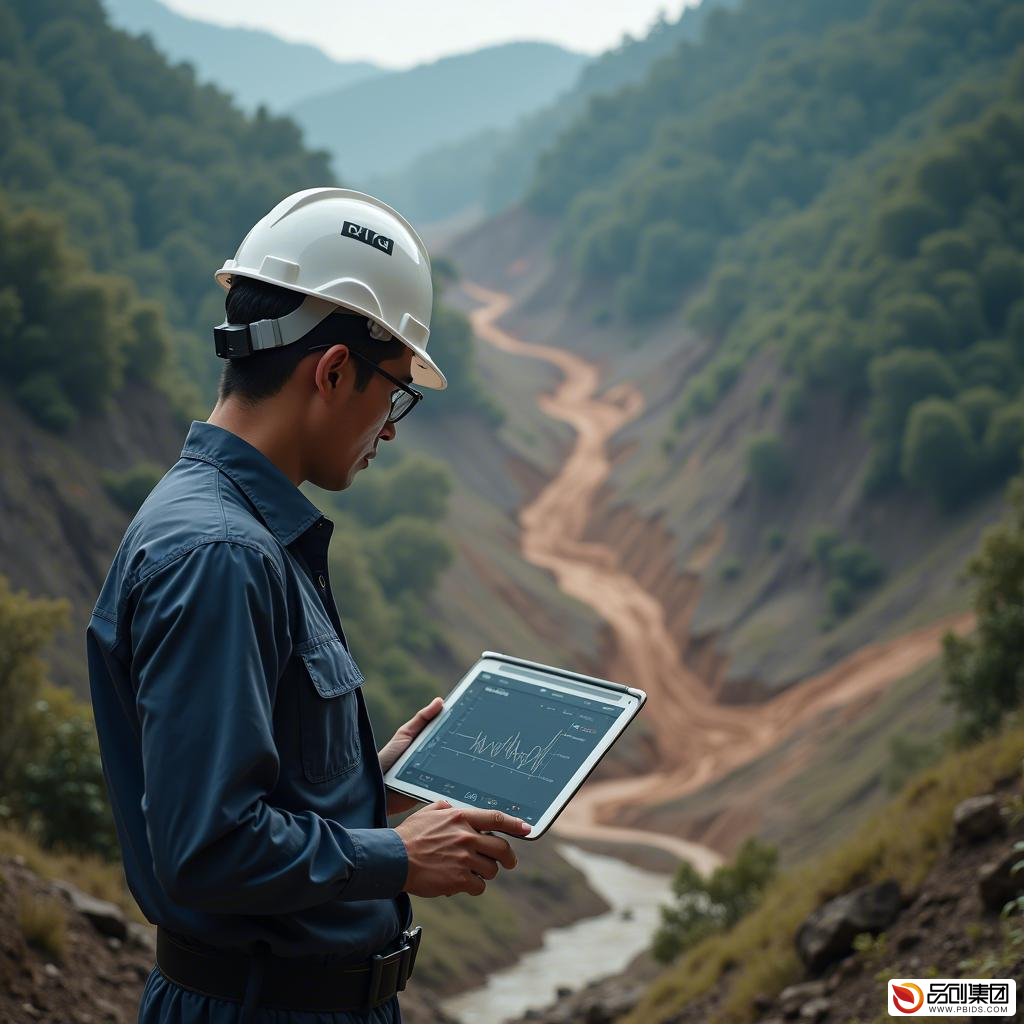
[
  {"x": 424, "y": 715},
  {"x": 485, "y": 867},
  {"x": 497, "y": 849},
  {"x": 495, "y": 821}
]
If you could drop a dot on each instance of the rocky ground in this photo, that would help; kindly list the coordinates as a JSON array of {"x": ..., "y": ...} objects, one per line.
[
  {"x": 66, "y": 958},
  {"x": 949, "y": 928}
]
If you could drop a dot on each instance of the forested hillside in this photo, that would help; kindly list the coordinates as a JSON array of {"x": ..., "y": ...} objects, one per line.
[{"x": 801, "y": 236}]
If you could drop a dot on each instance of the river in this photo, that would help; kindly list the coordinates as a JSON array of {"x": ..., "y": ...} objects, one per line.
[{"x": 580, "y": 952}]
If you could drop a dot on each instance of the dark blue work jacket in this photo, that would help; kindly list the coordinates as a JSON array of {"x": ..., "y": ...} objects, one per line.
[{"x": 239, "y": 757}]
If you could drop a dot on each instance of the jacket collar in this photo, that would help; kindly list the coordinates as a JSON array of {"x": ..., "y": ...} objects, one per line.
[{"x": 287, "y": 512}]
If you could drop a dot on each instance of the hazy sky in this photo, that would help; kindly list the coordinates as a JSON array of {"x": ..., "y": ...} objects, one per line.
[{"x": 399, "y": 33}]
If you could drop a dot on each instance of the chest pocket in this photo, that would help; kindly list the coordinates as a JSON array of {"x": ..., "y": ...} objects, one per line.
[{"x": 329, "y": 710}]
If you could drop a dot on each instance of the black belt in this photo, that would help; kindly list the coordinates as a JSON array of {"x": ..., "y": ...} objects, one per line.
[{"x": 288, "y": 983}]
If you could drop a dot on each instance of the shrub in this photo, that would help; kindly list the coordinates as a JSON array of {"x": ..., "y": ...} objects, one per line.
[
  {"x": 855, "y": 564},
  {"x": 706, "y": 905},
  {"x": 27, "y": 626},
  {"x": 62, "y": 795},
  {"x": 850, "y": 569},
  {"x": 731, "y": 569},
  {"x": 823, "y": 540},
  {"x": 774, "y": 538},
  {"x": 840, "y": 598},
  {"x": 768, "y": 463},
  {"x": 41, "y": 396},
  {"x": 130, "y": 488}
]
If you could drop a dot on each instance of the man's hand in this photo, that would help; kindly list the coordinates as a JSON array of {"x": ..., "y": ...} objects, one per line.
[
  {"x": 450, "y": 853},
  {"x": 395, "y": 747}
]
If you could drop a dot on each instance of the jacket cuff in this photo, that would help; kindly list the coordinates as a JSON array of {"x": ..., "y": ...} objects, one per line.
[{"x": 382, "y": 864}]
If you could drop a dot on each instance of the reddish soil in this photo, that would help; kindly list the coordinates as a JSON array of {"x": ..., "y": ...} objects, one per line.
[{"x": 681, "y": 704}]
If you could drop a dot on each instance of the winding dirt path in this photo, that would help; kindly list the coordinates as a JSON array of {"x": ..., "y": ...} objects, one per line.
[{"x": 697, "y": 739}]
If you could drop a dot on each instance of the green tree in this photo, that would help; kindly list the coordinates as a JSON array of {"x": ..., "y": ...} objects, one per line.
[
  {"x": 1004, "y": 439},
  {"x": 985, "y": 671},
  {"x": 898, "y": 381},
  {"x": 915, "y": 321},
  {"x": 903, "y": 221},
  {"x": 417, "y": 486},
  {"x": 949, "y": 250},
  {"x": 408, "y": 555},
  {"x": 1002, "y": 283},
  {"x": 978, "y": 404},
  {"x": 939, "y": 453}
]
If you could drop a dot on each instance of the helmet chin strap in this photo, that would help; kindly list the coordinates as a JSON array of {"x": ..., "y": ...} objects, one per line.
[{"x": 234, "y": 341}]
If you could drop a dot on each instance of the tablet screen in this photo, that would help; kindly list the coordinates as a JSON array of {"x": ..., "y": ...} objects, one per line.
[{"x": 510, "y": 745}]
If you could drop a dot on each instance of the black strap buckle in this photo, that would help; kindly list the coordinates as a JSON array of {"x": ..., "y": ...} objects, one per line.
[
  {"x": 232, "y": 341},
  {"x": 399, "y": 963}
]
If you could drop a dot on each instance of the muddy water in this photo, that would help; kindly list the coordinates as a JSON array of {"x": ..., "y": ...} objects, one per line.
[{"x": 578, "y": 953}]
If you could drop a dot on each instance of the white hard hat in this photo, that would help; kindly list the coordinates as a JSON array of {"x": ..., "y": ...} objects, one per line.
[{"x": 347, "y": 249}]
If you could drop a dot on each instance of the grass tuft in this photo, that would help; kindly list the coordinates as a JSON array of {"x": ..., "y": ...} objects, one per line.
[
  {"x": 91, "y": 874},
  {"x": 44, "y": 924}
]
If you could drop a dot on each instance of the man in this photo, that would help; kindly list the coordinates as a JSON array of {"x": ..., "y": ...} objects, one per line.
[{"x": 242, "y": 769}]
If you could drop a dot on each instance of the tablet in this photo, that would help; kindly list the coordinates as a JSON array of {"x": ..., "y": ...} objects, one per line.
[{"x": 516, "y": 736}]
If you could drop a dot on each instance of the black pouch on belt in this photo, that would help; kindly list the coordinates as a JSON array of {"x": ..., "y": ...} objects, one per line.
[{"x": 288, "y": 983}]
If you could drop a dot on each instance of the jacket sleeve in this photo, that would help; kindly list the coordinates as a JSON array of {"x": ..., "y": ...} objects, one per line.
[{"x": 210, "y": 640}]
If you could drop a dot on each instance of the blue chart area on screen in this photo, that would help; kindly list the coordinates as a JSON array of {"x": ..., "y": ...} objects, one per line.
[{"x": 510, "y": 745}]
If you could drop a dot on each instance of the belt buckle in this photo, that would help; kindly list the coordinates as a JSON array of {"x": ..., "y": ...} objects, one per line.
[{"x": 404, "y": 957}]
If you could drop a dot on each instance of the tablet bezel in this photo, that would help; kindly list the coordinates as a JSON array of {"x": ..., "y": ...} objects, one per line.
[{"x": 628, "y": 699}]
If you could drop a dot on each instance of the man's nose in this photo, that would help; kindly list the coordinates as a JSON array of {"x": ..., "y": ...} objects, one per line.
[{"x": 389, "y": 431}]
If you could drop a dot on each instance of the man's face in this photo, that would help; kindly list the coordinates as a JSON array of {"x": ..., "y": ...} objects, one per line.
[{"x": 353, "y": 423}]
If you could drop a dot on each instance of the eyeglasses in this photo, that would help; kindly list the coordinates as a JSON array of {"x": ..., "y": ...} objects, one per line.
[{"x": 402, "y": 401}]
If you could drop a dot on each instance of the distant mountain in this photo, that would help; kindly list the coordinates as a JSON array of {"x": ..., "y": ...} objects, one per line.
[
  {"x": 255, "y": 67},
  {"x": 492, "y": 169},
  {"x": 376, "y": 126}
]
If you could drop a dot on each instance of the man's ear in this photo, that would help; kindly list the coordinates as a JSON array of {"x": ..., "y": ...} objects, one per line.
[{"x": 329, "y": 367}]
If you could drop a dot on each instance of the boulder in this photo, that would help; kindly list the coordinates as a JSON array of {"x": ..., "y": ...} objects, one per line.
[
  {"x": 977, "y": 818},
  {"x": 816, "y": 1010},
  {"x": 998, "y": 882},
  {"x": 793, "y": 997},
  {"x": 106, "y": 918},
  {"x": 827, "y": 935}
]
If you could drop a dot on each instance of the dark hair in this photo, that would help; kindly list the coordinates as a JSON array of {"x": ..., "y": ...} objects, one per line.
[{"x": 263, "y": 374}]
